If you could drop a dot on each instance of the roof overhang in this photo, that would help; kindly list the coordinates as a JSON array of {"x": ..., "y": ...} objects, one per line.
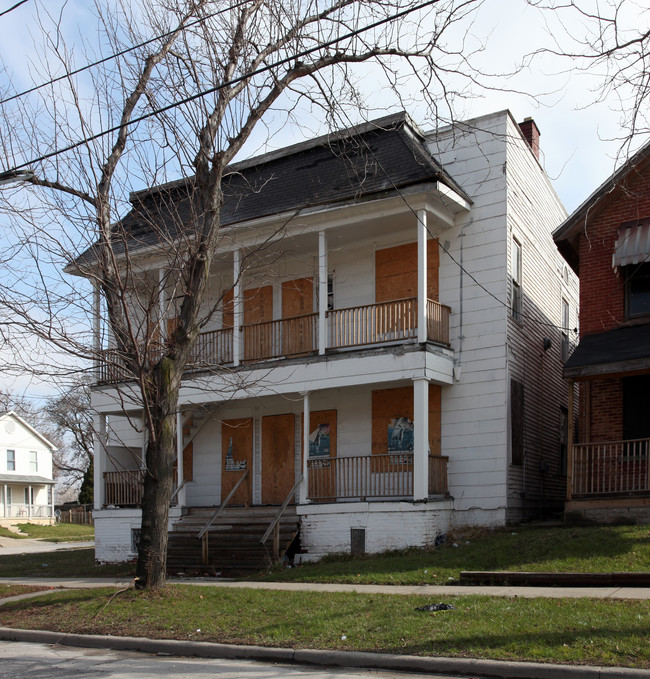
[{"x": 622, "y": 351}]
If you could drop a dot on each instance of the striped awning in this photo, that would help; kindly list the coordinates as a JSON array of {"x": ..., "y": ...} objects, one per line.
[{"x": 633, "y": 244}]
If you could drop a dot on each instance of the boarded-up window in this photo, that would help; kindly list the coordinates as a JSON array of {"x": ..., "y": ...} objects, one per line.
[{"x": 517, "y": 421}]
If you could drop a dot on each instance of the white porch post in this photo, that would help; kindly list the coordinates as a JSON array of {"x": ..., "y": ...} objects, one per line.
[
  {"x": 322, "y": 292},
  {"x": 422, "y": 276},
  {"x": 30, "y": 501},
  {"x": 99, "y": 459},
  {"x": 420, "y": 439},
  {"x": 6, "y": 502},
  {"x": 305, "y": 448},
  {"x": 237, "y": 311},
  {"x": 180, "y": 496},
  {"x": 97, "y": 338}
]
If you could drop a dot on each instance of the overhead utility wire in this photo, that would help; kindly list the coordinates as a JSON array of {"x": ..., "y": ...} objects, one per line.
[
  {"x": 110, "y": 57},
  {"x": 228, "y": 83},
  {"x": 443, "y": 248},
  {"x": 11, "y": 9}
]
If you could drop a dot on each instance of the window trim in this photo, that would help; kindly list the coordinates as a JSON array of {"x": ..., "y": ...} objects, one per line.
[
  {"x": 33, "y": 461},
  {"x": 516, "y": 302},
  {"x": 630, "y": 270},
  {"x": 11, "y": 460}
]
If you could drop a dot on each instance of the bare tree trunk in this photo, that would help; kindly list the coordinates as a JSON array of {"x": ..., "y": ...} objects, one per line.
[{"x": 159, "y": 477}]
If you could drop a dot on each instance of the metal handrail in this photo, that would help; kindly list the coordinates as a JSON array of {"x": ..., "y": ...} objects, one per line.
[
  {"x": 220, "y": 509},
  {"x": 177, "y": 491},
  {"x": 278, "y": 516}
]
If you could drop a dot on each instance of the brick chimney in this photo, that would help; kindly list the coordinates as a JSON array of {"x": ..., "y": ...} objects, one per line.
[{"x": 531, "y": 134}]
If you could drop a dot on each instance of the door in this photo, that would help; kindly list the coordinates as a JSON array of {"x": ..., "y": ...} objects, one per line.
[
  {"x": 278, "y": 457},
  {"x": 298, "y": 305},
  {"x": 236, "y": 458}
]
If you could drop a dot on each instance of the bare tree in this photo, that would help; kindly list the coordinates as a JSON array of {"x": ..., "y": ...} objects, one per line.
[
  {"x": 609, "y": 42},
  {"x": 180, "y": 106}
]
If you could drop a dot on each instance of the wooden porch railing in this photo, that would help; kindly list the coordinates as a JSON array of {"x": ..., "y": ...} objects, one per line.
[
  {"x": 610, "y": 468},
  {"x": 212, "y": 348},
  {"x": 284, "y": 337},
  {"x": 438, "y": 321},
  {"x": 438, "y": 475},
  {"x": 352, "y": 327},
  {"x": 124, "y": 488},
  {"x": 373, "y": 323}
]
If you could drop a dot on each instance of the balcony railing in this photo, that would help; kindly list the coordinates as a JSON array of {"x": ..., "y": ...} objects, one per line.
[
  {"x": 611, "y": 468},
  {"x": 123, "y": 488},
  {"x": 366, "y": 325},
  {"x": 387, "y": 476},
  {"x": 25, "y": 511}
]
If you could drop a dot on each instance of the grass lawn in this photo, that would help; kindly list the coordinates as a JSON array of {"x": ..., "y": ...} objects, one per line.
[
  {"x": 6, "y": 533},
  {"x": 68, "y": 563},
  {"x": 573, "y": 631},
  {"x": 589, "y": 549},
  {"x": 15, "y": 590},
  {"x": 60, "y": 532}
]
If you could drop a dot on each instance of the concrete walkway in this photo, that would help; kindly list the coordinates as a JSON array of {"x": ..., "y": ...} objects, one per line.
[
  {"x": 464, "y": 667},
  {"x": 34, "y": 546},
  {"x": 420, "y": 590}
]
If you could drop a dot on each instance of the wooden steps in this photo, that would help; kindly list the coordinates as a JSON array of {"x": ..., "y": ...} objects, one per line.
[{"x": 234, "y": 546}]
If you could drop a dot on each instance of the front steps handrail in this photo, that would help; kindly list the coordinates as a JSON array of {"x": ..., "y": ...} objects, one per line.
[
  {"x": 222, "y": 506},
  {"x": 275, "y": 522},
  {"x": 177, "y": 491}
]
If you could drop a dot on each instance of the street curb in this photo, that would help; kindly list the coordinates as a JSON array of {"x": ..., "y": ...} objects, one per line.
[{"x": 405, "y": 663}]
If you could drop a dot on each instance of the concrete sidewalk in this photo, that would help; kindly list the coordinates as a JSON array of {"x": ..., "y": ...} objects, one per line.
[
  {"x": 465, "y": 667},
  {"x": 34, "y": 546},
  {"x": 421, "y": 590}
]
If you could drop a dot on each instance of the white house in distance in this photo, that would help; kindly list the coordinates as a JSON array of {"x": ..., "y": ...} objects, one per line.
[
  {"x": 410, "y": 306},
  {"x": 26, "y": 483}
]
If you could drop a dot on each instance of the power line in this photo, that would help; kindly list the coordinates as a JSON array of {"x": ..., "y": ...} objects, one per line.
[
  {"x": 103, "y": 60},
  {"x": 442, "y": 247},
  {"x": 228, "y": 83},
  {"x": 11, "y": 9}
]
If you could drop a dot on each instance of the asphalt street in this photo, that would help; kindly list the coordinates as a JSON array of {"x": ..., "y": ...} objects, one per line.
[{"x": 40, "y": 661}]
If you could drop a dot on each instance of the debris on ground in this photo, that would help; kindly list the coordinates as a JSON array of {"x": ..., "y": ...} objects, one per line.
[{"x": 432, "y": 608}]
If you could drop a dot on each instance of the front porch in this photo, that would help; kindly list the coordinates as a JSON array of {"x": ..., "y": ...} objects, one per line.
[
  {"x": 354, "y": 478},
  {"x": 609, "y": 482}
]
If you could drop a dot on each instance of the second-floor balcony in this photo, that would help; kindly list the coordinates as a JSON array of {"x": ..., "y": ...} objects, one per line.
[{"x": 351, "y": 328}]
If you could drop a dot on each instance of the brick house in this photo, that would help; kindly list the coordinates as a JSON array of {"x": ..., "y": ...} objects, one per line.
[
  {"x": 407, "y": 308},
  {"x": 606, "y": 241}
]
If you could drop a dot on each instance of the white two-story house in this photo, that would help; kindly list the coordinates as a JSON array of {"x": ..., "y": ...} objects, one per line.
[
  {"x": 399, "y": 291},
  {"x": 26, "y": 480}
]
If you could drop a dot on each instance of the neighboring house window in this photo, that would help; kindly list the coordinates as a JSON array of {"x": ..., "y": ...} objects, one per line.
[
  {"x": 637, "y": 290},
  {"x": 516, "y": 280},
  {"x": 565, "y": 330},
  {"x": 11, "y": 460},
  {"x": 517, "y": 422},
  {"x": 33, "y": 461},
  {"x": 50, "y": 495}
]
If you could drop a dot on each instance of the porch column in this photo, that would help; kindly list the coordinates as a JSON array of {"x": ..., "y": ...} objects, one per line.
[
  {"x": 569, "y": 445},
  {"x": 30, "y": 503},
  {"x": 99, "y": 459},
  {"x": 237, "y": 311},
  {"x": 322, "y": 292},
  {"x": 180, "y": 496},
  {"x": 304, "y": 485},
  {"x": 420, "y": 439},
  {"x": 97, "y": 339},
  {"x": 6, "y": 502},
  {"x": 422, "y": 276}
]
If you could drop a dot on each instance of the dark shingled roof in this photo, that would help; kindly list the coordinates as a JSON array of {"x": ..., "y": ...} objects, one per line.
[
  {"x": 358, "y": 163},
  {"x": 616, "y": 351}
]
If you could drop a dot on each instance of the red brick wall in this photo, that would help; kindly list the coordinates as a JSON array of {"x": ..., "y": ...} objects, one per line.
[
  {"x": 605, "y": 411},
  {"x": 601, "y": 289}
]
